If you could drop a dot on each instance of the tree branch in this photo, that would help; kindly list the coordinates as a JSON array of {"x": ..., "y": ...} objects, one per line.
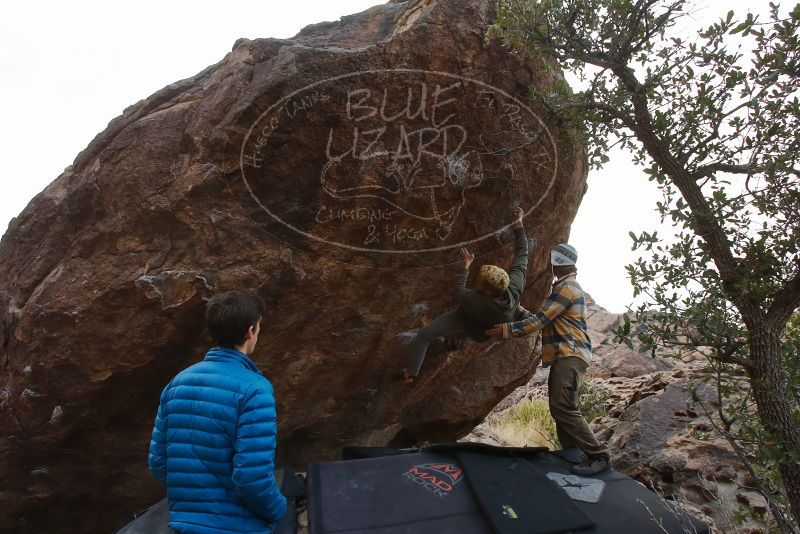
[
  {"x": 785, "y": 303},
  {"x": 599, "y": 106},
  {"x": 711, "y": 168},
  {"x": 706, "y": 226}
]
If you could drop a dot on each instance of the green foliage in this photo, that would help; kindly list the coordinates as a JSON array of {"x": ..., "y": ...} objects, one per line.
[
  {"x": 717, "y": 131},
  {"x": 593, "y": 401}
]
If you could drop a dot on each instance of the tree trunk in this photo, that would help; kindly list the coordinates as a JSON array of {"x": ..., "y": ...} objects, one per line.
[{"x": 769, "y": 380}]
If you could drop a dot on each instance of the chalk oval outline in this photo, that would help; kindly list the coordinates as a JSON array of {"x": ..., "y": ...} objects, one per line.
[{"x": 381, "y": 251}]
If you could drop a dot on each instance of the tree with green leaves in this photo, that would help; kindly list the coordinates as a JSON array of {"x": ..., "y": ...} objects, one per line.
[{"x": 714, "y": 119}]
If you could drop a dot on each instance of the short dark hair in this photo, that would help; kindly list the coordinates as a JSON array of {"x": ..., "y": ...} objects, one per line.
[{"x": 230, "y": 315}]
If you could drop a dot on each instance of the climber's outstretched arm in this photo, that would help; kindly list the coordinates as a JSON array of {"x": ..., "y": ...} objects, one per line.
[
  {"x": 461, "y": 278},
  {"x": 519, "y": 267}
]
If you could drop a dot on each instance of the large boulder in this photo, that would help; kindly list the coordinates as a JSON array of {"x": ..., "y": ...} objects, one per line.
[{"x": 338, "y": 173}]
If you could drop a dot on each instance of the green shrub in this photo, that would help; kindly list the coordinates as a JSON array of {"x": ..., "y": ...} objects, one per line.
[{"x": 593, "y": 401}]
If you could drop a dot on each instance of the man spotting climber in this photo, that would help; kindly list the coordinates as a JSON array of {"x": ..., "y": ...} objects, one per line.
[
  {"x": 494, "y": 299},
  {"x": 567, "y": 350}
]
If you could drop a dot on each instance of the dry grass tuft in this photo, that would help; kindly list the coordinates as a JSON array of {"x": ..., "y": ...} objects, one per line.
[{"x": 527, "y": 424}]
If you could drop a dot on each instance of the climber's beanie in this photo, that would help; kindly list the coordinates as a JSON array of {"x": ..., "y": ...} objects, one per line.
[
  {"x": 495, "y": 277},
  {"x": 563, "y": 254}
]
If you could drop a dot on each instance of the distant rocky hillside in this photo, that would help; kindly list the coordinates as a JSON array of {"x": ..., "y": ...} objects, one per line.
[{"x": 656, "y": 434}]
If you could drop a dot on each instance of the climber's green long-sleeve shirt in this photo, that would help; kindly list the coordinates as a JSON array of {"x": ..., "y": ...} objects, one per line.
[{"x": 480, "y": 312}]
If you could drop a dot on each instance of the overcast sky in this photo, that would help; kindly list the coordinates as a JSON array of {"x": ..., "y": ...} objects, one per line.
[{"x": 68, "y": 68}]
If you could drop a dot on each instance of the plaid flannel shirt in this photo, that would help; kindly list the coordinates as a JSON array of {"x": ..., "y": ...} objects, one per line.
[{"x": 562, "y": 320}]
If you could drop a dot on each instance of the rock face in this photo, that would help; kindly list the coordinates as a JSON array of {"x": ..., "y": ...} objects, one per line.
[
  {"x": 338, "y": 173},
  {"x": 661, "y": 437},
  {"x": 612, "y": 359}
]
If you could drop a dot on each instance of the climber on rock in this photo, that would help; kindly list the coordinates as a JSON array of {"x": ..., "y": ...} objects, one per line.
[
  {"x": 567, "y": 350},
  {"x": 214, "y": 438},
  {"x": 494, "y": 299}
]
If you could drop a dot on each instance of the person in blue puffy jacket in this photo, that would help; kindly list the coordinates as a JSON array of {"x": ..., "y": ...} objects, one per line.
[{"x": 214, "y": 437}]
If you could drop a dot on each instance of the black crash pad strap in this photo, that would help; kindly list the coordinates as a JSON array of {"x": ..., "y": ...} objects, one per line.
[
  {"x": 482, "y": 448},
  {"x": 314, "y": 486},
  {"x": 291, "y": 484},
  {"x": 517, "y": 498},
  {"x": 358, "y": 453}
]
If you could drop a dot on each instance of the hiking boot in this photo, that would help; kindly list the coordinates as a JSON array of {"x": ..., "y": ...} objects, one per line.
[{"x": 590, "y": 466}]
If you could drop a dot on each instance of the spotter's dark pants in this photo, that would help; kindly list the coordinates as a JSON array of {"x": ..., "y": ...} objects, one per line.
[{"x": 563, "y": 385}]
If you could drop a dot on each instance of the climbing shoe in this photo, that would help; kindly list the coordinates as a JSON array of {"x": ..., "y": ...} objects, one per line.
[
  {"x": 407, "y": 378},
  {"x": 590, "y": 466}
]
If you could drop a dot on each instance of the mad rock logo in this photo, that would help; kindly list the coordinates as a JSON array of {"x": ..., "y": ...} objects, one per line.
[
  {"x": 438, "y": 479},
  {"x": 398, "y": 161}
]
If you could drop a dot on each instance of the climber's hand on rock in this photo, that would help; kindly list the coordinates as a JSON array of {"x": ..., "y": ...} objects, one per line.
[
  {"x": 497, "y": 331},
  {"x": 518, "y": 215},
  {"x": 467, "y": 257}
]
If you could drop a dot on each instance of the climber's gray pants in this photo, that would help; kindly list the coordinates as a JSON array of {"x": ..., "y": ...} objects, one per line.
[{"x": 445, "y": 325}]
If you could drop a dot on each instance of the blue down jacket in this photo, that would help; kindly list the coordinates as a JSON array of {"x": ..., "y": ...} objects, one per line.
[{"x": 213, "y": 446}]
